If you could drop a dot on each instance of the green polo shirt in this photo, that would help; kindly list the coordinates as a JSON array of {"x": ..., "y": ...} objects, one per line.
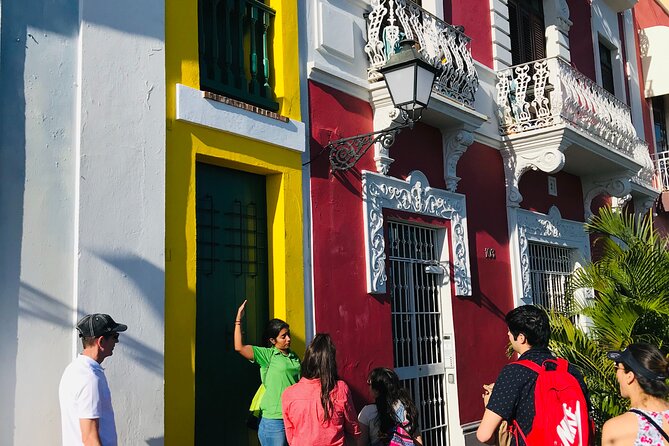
[{"x": 280, "y": 372}]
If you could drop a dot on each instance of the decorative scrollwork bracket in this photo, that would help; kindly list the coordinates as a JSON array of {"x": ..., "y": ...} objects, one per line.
[{"x": 345, "y": 152}]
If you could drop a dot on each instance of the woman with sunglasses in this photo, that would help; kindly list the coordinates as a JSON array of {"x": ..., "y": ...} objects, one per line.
[
  {"x": 641, "y": 371},
  {"x": 392, "y": 408},
  {"x": 280, "y": 368}
]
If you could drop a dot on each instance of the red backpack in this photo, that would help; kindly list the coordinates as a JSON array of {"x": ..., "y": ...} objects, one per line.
[{"x": 560, "y": 410}]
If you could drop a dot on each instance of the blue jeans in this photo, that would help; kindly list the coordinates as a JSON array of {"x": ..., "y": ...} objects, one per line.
[{"x": 272, "y": 433}]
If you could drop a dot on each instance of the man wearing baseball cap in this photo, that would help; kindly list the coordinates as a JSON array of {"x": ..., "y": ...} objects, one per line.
[{"x": 87, "y": 416}]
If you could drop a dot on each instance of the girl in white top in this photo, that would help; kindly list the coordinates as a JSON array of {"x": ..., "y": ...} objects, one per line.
[
  {"x": 393, "y": 406},
  {"x": 641, "y": 371}
]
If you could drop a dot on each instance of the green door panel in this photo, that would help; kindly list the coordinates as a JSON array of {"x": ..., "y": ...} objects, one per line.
[{"x": 231, "y": 218}]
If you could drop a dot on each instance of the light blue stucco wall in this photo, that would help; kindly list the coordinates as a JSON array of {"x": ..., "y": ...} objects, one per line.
[
  {"x": 82, "y": 190},
  {"x": 38, "y": 66}
]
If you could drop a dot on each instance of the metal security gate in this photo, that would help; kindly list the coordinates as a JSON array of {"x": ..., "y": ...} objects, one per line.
[
  {"x": 550, "y": 268},
  {"x": 420, "y": 359}
]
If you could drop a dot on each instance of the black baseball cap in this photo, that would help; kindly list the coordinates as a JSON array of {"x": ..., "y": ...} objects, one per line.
[
  {"x": 95, "y": 325},
  {"x": 626, "y": 357}
]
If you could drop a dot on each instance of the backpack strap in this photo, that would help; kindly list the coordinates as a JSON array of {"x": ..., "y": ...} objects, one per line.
[
  {"x": 530, "y": 365},
  {"x": 515, "y": 430},
  {"x": 658, "y": 427}
]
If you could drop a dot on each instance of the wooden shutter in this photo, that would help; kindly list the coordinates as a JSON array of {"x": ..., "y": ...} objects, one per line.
[{"x": 526, "y": 24}]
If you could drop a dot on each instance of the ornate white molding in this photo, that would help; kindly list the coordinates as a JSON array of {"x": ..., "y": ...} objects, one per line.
[
  {"x": 550, "y": 229},
  {"x": 416, "y": 196},
  {"x": 455, "y": 143},
  {"x": 519, "y": 157},
  {"x": 385, "y": 115},
  {"x": 617, "y": 187}
]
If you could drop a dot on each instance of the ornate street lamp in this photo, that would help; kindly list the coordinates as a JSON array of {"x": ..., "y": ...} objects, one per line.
[{"x": 409, "y": 79}]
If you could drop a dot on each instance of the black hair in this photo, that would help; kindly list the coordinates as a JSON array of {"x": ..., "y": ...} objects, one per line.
[
  {"x": 651, "y": 358},
  {"x": 389, "y": 392},
  {"x": 532, "y": 321},
  {"x": 320, "y": 361},
  {"x": 273, "y": 329}
]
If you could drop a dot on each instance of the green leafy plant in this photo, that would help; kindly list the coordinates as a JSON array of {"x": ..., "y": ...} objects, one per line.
[{"x": 630, "y": 280}]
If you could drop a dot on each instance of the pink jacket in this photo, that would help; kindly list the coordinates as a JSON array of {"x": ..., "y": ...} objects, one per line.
[{"x": 303, "y": 415}]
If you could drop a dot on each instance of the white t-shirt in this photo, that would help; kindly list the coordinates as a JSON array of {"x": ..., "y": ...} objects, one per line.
[
  {"x": 369, "y": 416},
  {"x": 84, "y": 393}
]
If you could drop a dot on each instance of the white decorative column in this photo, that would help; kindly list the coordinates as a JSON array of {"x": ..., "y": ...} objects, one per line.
[
  {"x": 455, "y": 143},
  {"x": 501, "y": 48},
  {"x": 556, "y": 18}
]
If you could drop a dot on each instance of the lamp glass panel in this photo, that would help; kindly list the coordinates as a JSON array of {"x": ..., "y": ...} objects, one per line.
[
  {"x": 424, "y": 81},
  {"x": 400, "y": 83}
]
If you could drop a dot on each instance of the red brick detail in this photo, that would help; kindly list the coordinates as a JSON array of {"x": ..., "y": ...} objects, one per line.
[{"x": 244, "y": 106}]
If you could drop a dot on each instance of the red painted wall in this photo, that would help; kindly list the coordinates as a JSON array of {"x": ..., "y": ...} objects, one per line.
[
  {"x": 580, "y": 37},
  {"x": 480, "y": 329},
  {"x": 648, "y": 13},
  {"x": 534, "y": 189},
  {"x": 475, "y": 17},
  {"x": 360, "y": 323}
]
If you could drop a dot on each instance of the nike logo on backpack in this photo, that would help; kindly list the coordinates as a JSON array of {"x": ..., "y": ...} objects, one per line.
[{"x": 570, "y": 425}]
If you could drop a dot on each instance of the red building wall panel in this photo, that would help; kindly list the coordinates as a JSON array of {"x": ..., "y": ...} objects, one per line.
[
  {"x": 580, "y": 37},
  {"x": 480, "y": 329},
  {"x": 360, "y": 323},
  {"x": 475, "y": 17},
  {"x": 534, "y": 189}
]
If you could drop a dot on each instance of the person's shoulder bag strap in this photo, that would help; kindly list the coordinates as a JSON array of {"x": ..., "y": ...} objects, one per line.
[{"x": 658, "y": 427}]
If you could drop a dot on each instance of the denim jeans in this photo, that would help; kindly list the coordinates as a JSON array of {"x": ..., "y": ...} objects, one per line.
[{"x": 272, "y": 433}]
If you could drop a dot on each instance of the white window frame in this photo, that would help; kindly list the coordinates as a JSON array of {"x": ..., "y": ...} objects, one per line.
[
  {"x": 550, "y": 229},
  {"x": 416, "y": 196}
]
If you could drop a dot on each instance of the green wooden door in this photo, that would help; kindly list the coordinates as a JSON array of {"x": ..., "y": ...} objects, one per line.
[{"x": 231, "y": 266}]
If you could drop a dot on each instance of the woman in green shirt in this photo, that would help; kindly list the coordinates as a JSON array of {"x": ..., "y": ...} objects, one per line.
[{"x": 279, "y": 368}]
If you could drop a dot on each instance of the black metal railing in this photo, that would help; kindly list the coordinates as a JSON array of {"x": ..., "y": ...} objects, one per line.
[{"x": 236, "y": 50}]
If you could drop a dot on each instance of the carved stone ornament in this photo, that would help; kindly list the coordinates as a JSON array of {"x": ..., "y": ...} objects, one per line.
[
  {"x": 455, "y": 144},
  {"x": 549, "y": 159},
  {"x": 416, "y": 196},
  {"x": 549, "y": 229},
  {"x": 615, "y": 187}
]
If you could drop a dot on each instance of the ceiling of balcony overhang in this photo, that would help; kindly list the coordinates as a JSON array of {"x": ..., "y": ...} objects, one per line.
[{"x": 585, "y": 163}]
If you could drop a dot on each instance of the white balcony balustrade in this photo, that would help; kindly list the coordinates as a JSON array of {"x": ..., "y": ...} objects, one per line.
[
  {"x": 552, "y": 118},
  {"x": 443, "y": 45},
  {"x": 549, "y": 92},
  {"x": 662, "y": 166}
]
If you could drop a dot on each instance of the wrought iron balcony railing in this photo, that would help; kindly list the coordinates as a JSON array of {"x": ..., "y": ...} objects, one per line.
[
  {"x": 549, "y": 92},
  {"x": 235, "y": 49},
  {"x": 443, "y": 45},
  {"x": 662, "y": 167}
]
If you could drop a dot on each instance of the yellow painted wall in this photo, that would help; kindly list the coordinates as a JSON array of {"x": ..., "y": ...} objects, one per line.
[{"x": 186, "y": 144}]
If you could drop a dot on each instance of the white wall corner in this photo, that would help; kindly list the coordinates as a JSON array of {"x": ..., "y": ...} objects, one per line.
[{"x": 501, "y": 42}]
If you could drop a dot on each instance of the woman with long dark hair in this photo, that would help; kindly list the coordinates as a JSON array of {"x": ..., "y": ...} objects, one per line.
[
  {"x": 318, "y": 410},
  {"x": 279, "y": 368},
  {"x": 392, "y": 408},
  {"x": 642, "y": 371}
]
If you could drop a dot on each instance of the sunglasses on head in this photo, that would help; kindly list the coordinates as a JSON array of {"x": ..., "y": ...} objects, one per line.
[{"x": 111, "y": 335}]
